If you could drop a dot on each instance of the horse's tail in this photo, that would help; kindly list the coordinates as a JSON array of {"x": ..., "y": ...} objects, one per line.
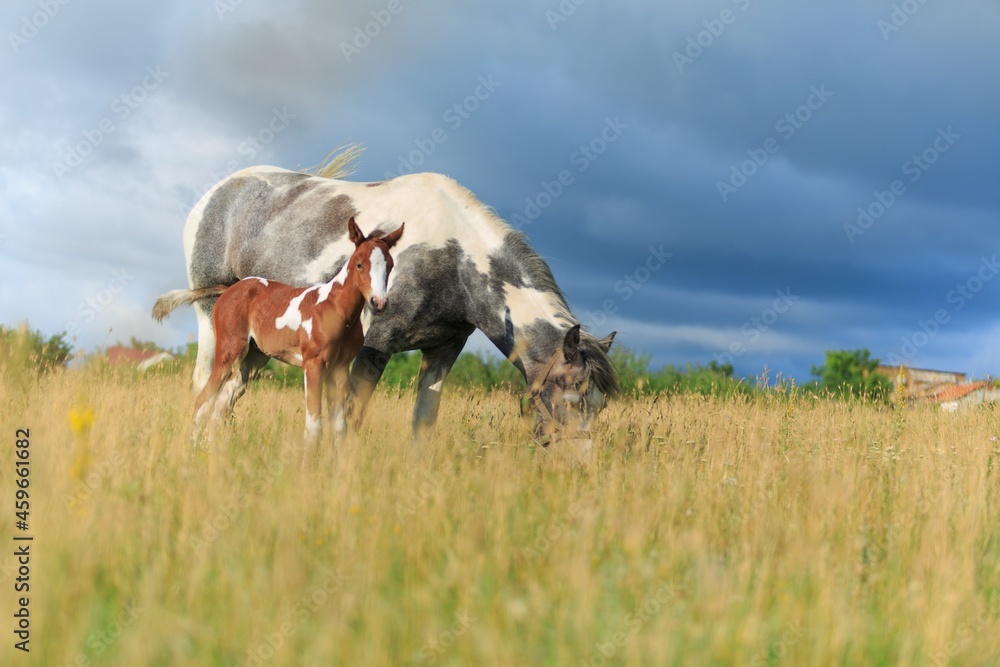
[{"x": 183, "y": 297}]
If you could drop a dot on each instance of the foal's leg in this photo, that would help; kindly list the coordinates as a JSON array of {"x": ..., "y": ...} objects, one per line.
[
  {"x": 223, "y": 386},
  {"x": 313, "y": 371}
]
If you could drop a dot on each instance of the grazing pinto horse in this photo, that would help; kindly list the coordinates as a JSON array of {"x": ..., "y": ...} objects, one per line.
[
  {"x": 459, "y": 268},
  {"x": 317, "y": 328}
]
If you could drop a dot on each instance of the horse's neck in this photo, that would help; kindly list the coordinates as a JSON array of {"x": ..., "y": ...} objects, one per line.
[
  {"x": 345, "y": 297},
  {"x": 530, "y": 329}
]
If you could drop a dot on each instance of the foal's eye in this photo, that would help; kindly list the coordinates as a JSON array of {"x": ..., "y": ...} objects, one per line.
[{"x": 359, "y": 265}]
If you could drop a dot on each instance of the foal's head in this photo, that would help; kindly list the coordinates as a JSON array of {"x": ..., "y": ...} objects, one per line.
[{"x": 372, "y": 263}]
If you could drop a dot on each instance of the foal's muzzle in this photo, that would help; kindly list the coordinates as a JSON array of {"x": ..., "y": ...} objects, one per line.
[{"x": 379, "y": 303}]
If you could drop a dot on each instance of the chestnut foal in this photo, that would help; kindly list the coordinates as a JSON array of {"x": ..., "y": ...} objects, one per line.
[{"x": 317, "y": 328}]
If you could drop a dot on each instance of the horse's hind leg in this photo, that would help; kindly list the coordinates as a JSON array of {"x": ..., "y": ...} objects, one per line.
[{"x": 206, "y": 344}]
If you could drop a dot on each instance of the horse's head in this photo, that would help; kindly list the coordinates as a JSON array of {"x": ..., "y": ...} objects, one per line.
[
  {"x": 372, "y": 263},
  {"x": 572, "y": 387}
]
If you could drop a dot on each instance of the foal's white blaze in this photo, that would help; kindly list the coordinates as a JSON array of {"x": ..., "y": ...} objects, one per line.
[
  {"x": 293, "y": 316},
  {"x": 377, "y": 273}
]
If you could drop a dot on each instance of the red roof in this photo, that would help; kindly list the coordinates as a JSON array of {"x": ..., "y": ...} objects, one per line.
[{"x": 957, "y": 391}]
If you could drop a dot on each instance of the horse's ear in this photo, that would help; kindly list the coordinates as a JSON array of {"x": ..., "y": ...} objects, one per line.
[
  {"x": 605, "y": 342},
  {"x": 571, "y": 343},
  {"x": 390, "y": 239},
  {"x": 354, "y": 232}
]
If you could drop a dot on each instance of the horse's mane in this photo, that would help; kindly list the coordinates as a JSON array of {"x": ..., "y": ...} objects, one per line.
[{"x": 599, "y": 366}]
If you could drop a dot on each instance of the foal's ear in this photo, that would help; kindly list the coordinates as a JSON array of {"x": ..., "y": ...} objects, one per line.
[
  {"x": 390, "y": 239},
  {"x": 354, "y": 232},
  {"x": 571, "y": 343},
  {"x": 605, "y": 342}
]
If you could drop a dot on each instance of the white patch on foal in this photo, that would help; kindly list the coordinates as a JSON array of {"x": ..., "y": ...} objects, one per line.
[
  {"x": 308, "y": 326},
  {"x": 377, "y": 272},
  {"x": 293, "y": 316}
]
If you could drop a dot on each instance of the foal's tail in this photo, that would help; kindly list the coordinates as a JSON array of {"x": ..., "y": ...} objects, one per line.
[{"x": 183, "y": 297}]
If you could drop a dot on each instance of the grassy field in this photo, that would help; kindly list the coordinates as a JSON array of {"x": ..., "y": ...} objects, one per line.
[{"x": 703, "y": 532}]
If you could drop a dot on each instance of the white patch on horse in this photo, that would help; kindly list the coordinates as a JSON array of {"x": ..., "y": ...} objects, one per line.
[
  {"x": 293, "y": 316},
  {"x": 308, "y": 326},
  {"x": 524, "y": 304},
  {"x": 314, "y": 270},
  {"x": 263, "y": 281},
  {"x": 377, "y": 272}
]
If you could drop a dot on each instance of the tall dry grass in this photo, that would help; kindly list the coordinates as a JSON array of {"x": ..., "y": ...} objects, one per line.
[{"x": 701, "y": 532}]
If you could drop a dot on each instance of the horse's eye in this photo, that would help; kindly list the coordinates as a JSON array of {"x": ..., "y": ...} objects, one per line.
[{"x": 359, "y": 265}]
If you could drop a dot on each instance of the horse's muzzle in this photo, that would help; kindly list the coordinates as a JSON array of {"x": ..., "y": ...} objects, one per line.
[{"x": 378, "y": 303}]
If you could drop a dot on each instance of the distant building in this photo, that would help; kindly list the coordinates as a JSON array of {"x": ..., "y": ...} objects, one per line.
[
  {"x": 946, "y": 389},
  {"x": 922, "y": 383},
  {"x": 959, "y": 397},
  {"x": 141, "y": 359}
]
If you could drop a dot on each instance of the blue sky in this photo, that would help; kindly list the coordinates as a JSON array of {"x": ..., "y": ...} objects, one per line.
[{"x": 731, "y": 180}]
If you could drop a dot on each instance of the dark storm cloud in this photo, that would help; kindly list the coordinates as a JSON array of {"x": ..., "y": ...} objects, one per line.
[{"x": 806, "y": 113}]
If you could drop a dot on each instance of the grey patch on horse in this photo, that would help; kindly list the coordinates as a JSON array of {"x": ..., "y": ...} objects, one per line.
[
  {"x": 429, "y": 303},
  {"x": 267, "y": 225},
  {"x": 208, "y": 266},
  {"x": 375, "y": 184}
]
